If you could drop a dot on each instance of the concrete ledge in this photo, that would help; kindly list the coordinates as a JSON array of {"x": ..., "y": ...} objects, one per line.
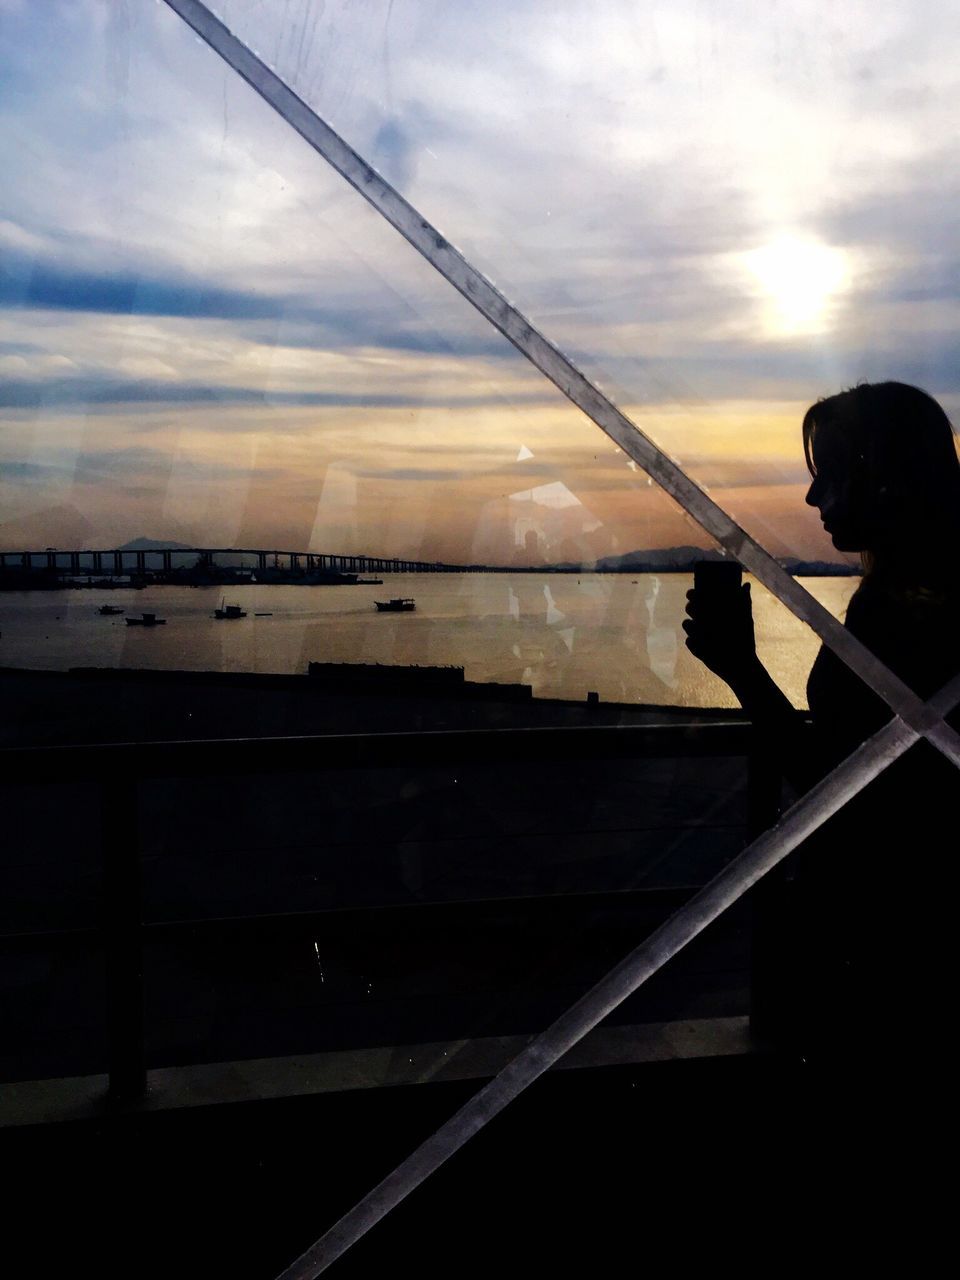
[{"x": 30, "y": 1102}]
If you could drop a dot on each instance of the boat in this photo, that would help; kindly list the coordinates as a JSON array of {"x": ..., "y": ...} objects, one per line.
[
  {"x": 229, "y": 611},
  {"x": 147, "y": 620},
  {"x": 402, "y": 604},
  {"x": 369, "y": 582},
  {"x": 108, "y": 610}
]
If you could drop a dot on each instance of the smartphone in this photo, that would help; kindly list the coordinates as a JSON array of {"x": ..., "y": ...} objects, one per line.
[{"x": 718, "y": 579}]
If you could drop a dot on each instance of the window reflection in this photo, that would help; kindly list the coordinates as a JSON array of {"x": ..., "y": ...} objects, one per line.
[{"x": 242, "y": 421}]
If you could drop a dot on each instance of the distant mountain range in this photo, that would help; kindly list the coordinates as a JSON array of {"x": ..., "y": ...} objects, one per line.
[
  {"x": 154, "y": 544},
  {"x": 682, "y": 560},
  {"x": 665, "y": 560}
]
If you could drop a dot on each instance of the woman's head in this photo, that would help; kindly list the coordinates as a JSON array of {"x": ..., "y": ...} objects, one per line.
[{"x": 886, "y": 477}]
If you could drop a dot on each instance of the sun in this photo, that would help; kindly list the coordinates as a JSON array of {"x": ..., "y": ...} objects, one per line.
[{"x": 800, "y": 280}]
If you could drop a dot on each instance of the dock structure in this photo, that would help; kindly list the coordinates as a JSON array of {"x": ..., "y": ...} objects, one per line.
[{"x": 159, "y": 562}]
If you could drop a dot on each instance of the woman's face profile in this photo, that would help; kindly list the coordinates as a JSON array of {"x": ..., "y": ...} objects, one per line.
[{"x": 838, "y": 491}]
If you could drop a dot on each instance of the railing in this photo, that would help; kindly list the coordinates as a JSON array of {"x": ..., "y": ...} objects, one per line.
[{"x": 119, "y": 770}]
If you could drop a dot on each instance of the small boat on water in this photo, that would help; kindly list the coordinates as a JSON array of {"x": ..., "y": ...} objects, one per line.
[
  {"x": 229, "y": 611},
  {"x": 369, "y": 582},
  {"x": 402, "y": 604},
  {"x": 108, "y": 610},
  {"x": 146, "y": 620}
]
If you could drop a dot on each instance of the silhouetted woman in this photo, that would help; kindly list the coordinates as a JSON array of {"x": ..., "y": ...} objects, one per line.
[{"x": 871, "y": 942}]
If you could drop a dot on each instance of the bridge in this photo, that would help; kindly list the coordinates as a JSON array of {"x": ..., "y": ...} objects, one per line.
[{"x": 159, "y": 563}]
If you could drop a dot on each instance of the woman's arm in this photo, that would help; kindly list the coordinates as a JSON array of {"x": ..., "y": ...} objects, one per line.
[{"x": 721, "y": 635}]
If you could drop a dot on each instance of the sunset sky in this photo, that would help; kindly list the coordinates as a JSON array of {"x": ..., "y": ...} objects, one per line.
[{"x": 720, "y": 211}]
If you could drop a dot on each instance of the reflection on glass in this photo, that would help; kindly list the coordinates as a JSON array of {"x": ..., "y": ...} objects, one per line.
[
  {"x": 720, "y": 216},
  {"x": 241, "y": 414},
  {"x": 216, "y": 345}
]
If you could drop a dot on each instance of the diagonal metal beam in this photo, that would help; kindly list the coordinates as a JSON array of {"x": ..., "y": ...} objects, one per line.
[
  {"x": 561, "y": 371},
  {"x": 820, "y": 803}
]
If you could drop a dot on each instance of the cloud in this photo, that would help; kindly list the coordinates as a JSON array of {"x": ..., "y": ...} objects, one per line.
[
  {"x": 70, "y": 393},
  {"x": 20, "y": 348},
  {"x": 96, "y": 465},
  {"x": 167, "y": 241},
  {"x": 394, "y": 154},
  {"x": 42, "y": 284},
  {"x": 440, "y": 474},
  {"x": 47, "y": 287},
  {"x": 433, "y": 474},
  {"x": 26, "y": 472},
  {"x": 110, "y": 464}
]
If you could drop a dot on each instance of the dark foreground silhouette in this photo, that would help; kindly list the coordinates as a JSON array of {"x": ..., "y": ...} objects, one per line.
[{"x": 863, "y": 930}]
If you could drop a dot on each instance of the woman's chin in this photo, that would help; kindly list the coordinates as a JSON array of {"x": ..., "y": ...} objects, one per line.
[{"x": 845, "y": 542}]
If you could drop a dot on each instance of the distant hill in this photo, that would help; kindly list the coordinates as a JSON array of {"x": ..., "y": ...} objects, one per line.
[
  {"x": 682, "y": 560},
  {"x": 153, "y": 544},
  {"x": 665, "y": 560}
]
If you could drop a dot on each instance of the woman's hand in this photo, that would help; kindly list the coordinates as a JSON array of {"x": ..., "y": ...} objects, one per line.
[{"x": 720, "y": 633}]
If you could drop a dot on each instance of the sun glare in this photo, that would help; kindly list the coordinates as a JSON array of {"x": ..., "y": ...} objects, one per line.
[{"x": 800, "y": 280}]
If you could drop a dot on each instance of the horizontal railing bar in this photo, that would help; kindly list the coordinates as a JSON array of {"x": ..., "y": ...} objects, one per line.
[
  {"x": 333, "y": 1072},
  {"x": 352, "y": 920},
  {"x": 424, "y": 914},
  {"x": 213, "y": 757}
]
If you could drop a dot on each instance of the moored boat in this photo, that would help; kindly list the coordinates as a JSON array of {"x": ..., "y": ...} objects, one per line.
[
  {"x": 108, "y": 610},
  {"x": 229, "y": 611},
  {"x": 401, "y": 604},
  {"x": 146, "y": 620}
]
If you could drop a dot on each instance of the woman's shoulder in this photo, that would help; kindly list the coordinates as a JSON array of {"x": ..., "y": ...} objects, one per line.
[
  {"x": 886, "y": 601},
  {"x": 912, "y": 627}
]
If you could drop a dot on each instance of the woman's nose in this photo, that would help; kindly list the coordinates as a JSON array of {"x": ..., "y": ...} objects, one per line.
[{"x": 813, "y": 495}]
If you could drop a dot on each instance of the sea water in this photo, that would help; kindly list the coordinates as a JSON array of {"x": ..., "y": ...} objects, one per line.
[{"x": 565, "y": 635}]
